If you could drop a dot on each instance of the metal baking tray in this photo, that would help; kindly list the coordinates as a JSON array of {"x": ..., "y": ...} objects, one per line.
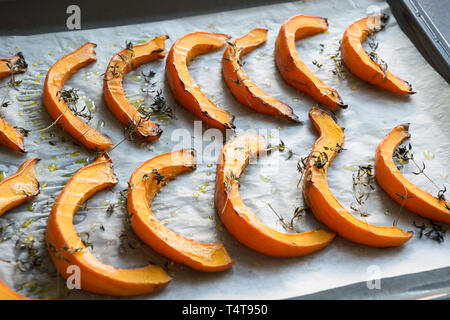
[{"x": 42, "y": 17}]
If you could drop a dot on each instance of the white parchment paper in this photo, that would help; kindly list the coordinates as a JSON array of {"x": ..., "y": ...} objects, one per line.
[{"x": 186, "y": 204}]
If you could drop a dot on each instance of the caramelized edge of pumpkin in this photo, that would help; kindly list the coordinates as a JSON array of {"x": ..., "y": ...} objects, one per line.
[
  {"x": 141, "y": 54},
  {"x": 312, "y": 171},
  {"x": 372, "y": 24},
  {"x": 231, "y": 59},
  {"x": 74, "y": 124},
  {"x": 385, "y": 152},
  {"x": 145, "y": 190},
  {"x": 181, "y": 72},
  {"x": 309, "y": 239},
  {"x": 88, "y": 260}
]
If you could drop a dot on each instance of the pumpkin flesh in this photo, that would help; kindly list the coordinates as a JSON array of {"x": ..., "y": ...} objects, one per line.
[
  {"x": 391, "y": 180},
  {"x": 66, "y": 248},
  {"x": 20, "y": 187},
  {"x": 183, "y": 88},
  {"x": 144, "y": 185},
  {"x": 10, "y": 136},
  {"x": 7, "y": 294},
  {"x": 293, "y": 70},
  {"x": 15, "y": 64},
  {"x": 57, "y": 108},
  {"x": 359, "y": 62},
  {"x": 245, "y": 90},
  {"x": 15, "y": 190},
  {"x": 122, "y": 63},
  {"x": 322, "y": 202},
  {"x": 240, "y": 221}
]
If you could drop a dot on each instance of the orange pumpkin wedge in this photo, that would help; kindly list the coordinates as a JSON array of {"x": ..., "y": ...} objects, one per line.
[
  {"x": 293, "y": 70},
  {"x": 11, "y": 137},
  {"x": 398, "y": 187},
  {"x": 361, "y": 64},
  {"x": 15, "y": 190},
  {"x": 245, "y": 90},
  {"x": 20, "y": 187},
  {"x": 322, "y": 202},
  {"x": 120, "y": 64},
  {"x": 57, "y": 108},
  {"x": 13, "y": 65},
  {"x": 145, "y": 183},
  {"x": 183, "y": 88},
  {"x": 67, "y": 249},
  {"x": 243, "y": 224},
  {"x": 7, "y": 294}
]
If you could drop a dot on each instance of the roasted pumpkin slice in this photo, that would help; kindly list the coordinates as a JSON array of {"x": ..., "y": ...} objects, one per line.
[
  {"x": 145, "y": 183},
  {"x": 322, "y": 202},
  {"x": 365, "y": 67},
  {"x": 120, "y": 64},
  {"x": 243, "y": 224},
  {"x": 67, "y": 249},
  {"x": 11, "y": 137},
  {"x": 57, "y": 107},
  {"x": 15, "y": 190},
  {"x": 398, "y": 187},
  {"x": 245, "y": 90},
  {"x": 20, "y": 187},
  {"x": 293, "y": 70},
  {"x": 7, "y": 294},
  {"x": 13, "y": 65},
  {"x": 183, "y": 88}
]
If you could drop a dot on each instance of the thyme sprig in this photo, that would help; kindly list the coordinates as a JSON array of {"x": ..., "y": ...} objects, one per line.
[
  {"x": 282, "y": 147},
  {"x": 159, "y": 107},
  {"x": 434, "y": 231},
  {"x": 71, "y": 98},
  {"x": 56, "y": 253},
  {"x": 235, "y": 53},
  {"x": 374, "y": 56},
  {"x": 338, "y": 148},
  {"x": 403, "y": 155},
  {"x": 113, "y": 71},
  {"x": 289, "y": 226},
  {"x": 301, "y": 168},
  {"x": 320, "y": 159},
  {"x": 129, "y": 46},
  {"x": 283, "y": 222},
  {"x": 228, "y": 183},
  {"x": 338, "y": 69},
  {"x": 14, "y": 67},
  {"x": 298, "y": 214},
  {"x": 363, "y": 184},
  {"x": 130, "y": 132},
  {"x": 34, "y": 260},
  {"x": 158, "y": 177}
]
